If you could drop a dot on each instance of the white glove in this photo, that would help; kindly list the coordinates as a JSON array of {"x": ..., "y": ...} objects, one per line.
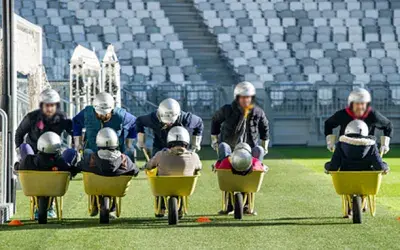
[
  {"x": 78, "y": 143},
  {"x": 128, "y": 143},
  {"x": 141, "y": 143},
  {"x": 385, "y": 141},
  {"x": 18, "y": 151},
  {"x": 196, "y": 143},
  {"x": 264, "y": 145},
  {"x": 331, "y": 142},
  {"x": 214, "y": 142}
]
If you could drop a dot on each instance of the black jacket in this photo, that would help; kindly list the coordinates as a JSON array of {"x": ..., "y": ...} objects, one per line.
[
  {"x": 45, "y": 162},
  {"x": 356, "y": 154},
  {"x": 191, "y": 122},
  {"x": 120, "y": 166},
  {"x": 227, "y": 122},
  {"x": 374, "y": 119},
  {"x": 35, "y": 124}
]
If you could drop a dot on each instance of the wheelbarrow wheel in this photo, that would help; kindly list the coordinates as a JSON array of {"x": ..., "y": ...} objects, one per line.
[
  {"x": 357, "y": 209},
  {"x": 173, "y": 210},
  {"x": 105, "y": 210},
  {"x": 238, "y": 206},
  {"x": 43, "y": 203}
]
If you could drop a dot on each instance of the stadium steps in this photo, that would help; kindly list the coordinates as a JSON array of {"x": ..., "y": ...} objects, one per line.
[{"x": 200, "y": 43}]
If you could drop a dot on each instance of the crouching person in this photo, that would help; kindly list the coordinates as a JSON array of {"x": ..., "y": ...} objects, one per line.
[
  {"x": 176, "y": 159},
  {"x": 356, "y": 151},
  {"x": 48, "y": 158},
  {"x": 241, "y": 161},
  {"x": 108, "y": 160}
]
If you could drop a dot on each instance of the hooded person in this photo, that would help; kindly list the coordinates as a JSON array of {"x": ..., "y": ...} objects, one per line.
[
  {"x": 359, "y": 108},
  {"x": 107, "y": 161},
  {"x": 48, "y": 118},
  {"x": 240, "y": 162},
  {"x": 48, "y": 158},
  {"x": 103, "y": 113},
  {"x": 167, "y": 116},
  {"x": 356, "y": 151},
  {"x": 240, "y": 121},
  {"x": 176, "y": 160}
]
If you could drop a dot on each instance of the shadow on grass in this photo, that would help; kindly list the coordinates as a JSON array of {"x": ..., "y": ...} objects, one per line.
[{"x": 187, "y": 222}]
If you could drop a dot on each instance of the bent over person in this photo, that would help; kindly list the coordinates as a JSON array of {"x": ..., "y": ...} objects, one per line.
[
  {"x": 167, "y": 116},
  {"x": 359, "y": 108},
  {"x": 241, "y": 121},
  {"x": 48, "y": 118}
]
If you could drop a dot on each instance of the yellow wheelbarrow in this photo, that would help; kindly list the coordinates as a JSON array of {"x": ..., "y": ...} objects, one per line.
[
  {"x": 105, "y": 192},
  {"x": 238, "y": 190},
  {"x": 172, "y": 190},
  {"x": 43, "y": 187},
  {"x": 356, "y": 189}
]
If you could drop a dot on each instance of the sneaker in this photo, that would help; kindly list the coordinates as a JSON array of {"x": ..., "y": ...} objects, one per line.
[
  {"x": 51, "y": 213},
  {"x": 36, "y": 213},
  {"x": 180, "y": 214},
  {"x": 161, "y": 214},
  {"x": 113, "y": 215},
  {"x": 95, "y": 211},
  {"x": 247, "y": 211}
]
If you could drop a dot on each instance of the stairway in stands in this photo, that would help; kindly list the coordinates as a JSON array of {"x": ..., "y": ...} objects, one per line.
[{"x": 200, "y": 43}]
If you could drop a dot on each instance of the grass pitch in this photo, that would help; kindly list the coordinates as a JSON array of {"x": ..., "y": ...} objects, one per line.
[{"x": 297, "y": 209}]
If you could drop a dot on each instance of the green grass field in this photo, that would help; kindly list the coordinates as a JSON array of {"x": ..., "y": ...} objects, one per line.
[{"x": 297, "y": 209}]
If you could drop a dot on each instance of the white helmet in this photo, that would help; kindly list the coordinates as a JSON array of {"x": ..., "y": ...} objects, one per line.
[
  {"x": 357, "y": 127},
  {"x": 244, "y": 146},
  {"x": 178, "y": 134},
  {"x": 241, "y": 160},
  {"x": 359, "y": 95},
  {"x": 49, "y": 143},
  {"x": 107, "y": 138},
  {"x": 168, "y": 111},
  {"x": 49, "y": 96},
  {"x": 244, "y": 89},
  {"x": 103, "y": 103}
]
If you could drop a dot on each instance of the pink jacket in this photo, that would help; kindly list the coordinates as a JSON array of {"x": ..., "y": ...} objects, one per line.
[{"x": 226, "y": 164}]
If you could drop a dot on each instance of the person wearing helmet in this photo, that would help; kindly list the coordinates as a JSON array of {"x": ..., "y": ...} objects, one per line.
[
  {"x": 107, "y": 161},
  {"x": 356, "y": 150},
  {"x": 240, "y": 162},
  {"x": 359, "y": 108},
  {"x": 176, "y": 159},
  {"x": 168, "y": 115},
  {"x": 103, "y": 113},
  {"x": 241, "y": 121},
  {"x": 49, "y": 157},
  {"x": 47, "y": 118}
]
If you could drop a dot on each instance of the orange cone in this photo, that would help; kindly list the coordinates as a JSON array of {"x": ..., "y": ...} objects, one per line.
[
  {"x": 15, "y": 223},
  {"x": 203, "y": 220}
]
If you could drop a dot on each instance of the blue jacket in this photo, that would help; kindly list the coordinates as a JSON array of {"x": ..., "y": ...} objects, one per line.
[
  {"x": 191, "y": 122},
  {"x": 121, "y": 121},
  {"x": 356, "y": 154}
]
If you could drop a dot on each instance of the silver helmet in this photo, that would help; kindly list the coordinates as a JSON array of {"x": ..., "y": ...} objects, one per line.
[
  {"x": 244, "y": 89},
  {"x": 359, "y": 95},
  {"x": 168, "y": 111},
  {"x": 107, "y": 138},
  {"x": 103, "y": 103},
  {"x": 49, "y": 143},
  {"x": 244, "y": 146},
  {"x": 357, "y": 127},
  {"x": 178, "y": 134},
  {"x": 49, "y": 96},
  {"x": 241, "y": 160}
]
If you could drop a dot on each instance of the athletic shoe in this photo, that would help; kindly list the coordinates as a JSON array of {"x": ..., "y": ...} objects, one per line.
[
  {"x": 95, "y": 211},
  {"x": 51, "y": 213},
  {"x": 247, "y": 211},
  {"x": 113, "y": 215},
  {"x": 36, "y": 213},
  {"x": 161, "y": 214}
]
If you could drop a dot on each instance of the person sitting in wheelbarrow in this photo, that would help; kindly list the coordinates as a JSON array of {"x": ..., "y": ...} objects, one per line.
[
  {"x": 108, "y": 160},
  {"x": 48, "y": 158},
  {"x": 241, "y": 162},
  {"x": 356, "y": 151},
  {"x": 176, "y": 159}
]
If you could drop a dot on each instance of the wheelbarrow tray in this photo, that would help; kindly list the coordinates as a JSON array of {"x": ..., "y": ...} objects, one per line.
[
  {"x": 356, "y": 182},
  {"x": 113, "y": 186},
  {"x": 44, "y": 183},
  {"x": 172, "y": 185},
  {"x": 229, "y": 182}
]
